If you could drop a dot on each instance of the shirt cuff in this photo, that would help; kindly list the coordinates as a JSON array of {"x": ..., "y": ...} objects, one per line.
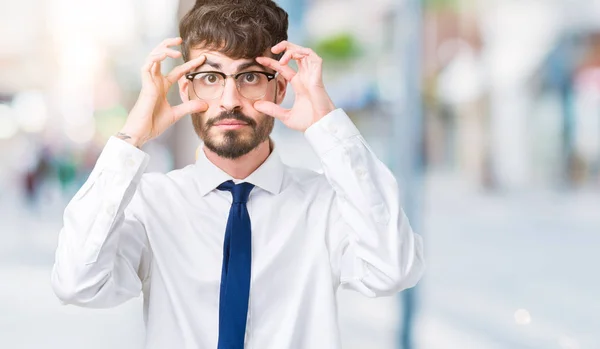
[
  {"x": 119, "y": 155},
  {"x": 331, "y": 131}
]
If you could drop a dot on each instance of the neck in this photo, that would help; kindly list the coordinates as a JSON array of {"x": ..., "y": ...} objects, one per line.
[{"x": 243, "y": 166}]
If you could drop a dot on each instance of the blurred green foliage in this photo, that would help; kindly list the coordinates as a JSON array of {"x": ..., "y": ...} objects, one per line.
[
  {"x": 339, "y": 47},
  {"x": 441, "y": 4}
]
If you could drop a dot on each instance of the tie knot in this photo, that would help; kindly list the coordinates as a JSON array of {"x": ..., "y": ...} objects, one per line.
[{"x": 240, "y": 192}]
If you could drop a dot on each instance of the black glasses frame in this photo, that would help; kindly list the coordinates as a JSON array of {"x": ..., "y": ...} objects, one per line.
[
  {"x": 191, "y": 76},
  {"x": 270, "y": 76}
]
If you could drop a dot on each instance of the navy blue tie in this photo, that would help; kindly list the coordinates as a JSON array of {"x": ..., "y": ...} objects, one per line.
[{"x": 235, "y": 274}]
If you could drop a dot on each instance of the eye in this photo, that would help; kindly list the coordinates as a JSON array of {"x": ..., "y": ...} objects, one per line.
[
  {"x": 250, "y": 78},
  {"x": 208, "y": 78}
]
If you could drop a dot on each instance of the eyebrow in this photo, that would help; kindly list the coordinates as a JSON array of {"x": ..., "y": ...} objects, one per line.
[
  {"x": 247, "y": 65},
  {"x": 241, "y": 67}
]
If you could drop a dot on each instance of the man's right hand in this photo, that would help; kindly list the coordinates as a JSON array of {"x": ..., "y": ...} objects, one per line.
[{"x": 152, "y": 114}]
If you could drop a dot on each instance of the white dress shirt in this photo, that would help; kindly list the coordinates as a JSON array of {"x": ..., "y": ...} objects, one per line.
[{"x": 126, "y": 232}]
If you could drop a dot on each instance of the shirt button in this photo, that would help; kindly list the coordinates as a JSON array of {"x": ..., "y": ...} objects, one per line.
[
  {"x": 361, "y": 172},
  {"x": 381, "y": 213},
  {"x": 129, "y": 162},
  {"x": 332, "y": 128}
]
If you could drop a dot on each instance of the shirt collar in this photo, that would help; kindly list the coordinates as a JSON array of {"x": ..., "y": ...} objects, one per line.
[{"x": 268, "y": 176}]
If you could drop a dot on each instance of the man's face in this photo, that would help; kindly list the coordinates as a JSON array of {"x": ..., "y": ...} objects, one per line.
[{"x": 231, "y": 127}]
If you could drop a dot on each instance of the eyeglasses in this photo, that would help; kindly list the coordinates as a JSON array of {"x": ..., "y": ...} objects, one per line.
[{"x": 210, "y": 84}]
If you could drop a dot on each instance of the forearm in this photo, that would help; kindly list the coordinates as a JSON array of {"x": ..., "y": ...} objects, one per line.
[
  {"x": 381, "y": 252},
  {"x": 89, "y": 242}
]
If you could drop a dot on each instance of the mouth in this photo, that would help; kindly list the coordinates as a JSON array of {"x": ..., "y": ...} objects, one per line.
[{"x": 230, "y": 124}]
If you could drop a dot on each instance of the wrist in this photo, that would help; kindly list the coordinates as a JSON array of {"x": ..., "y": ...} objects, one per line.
[
  {"x": 126, "y": 137},
  {"x": 328, "y": 108}
]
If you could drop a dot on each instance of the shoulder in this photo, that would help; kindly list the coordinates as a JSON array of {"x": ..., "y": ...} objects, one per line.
[
  {"x": 308, "y": 181},
  {"x": 159, "y": 184}
]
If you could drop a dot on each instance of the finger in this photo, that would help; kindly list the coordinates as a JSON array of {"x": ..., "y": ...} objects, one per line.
[
  {"x": 288, "y": 46},
  {"x": 287, "y": 72},
  {"x": 295, "y": 56},
  {"x": 155, "y": 70},
  {"x": 170, "y": 42},
  {"x": 282, "y": 46},
  {"x": 147, "y": 68},
  {"x": 161, "y": 52},
  {"x": 189, "y": 107},
  {"x": 289, "y": 55},
  {"x": 313, "y": 57},
  {"x": 166, "y": 53},
  {"x": 300, "y": 51},
  {"x": 169, "y": 51},
  {"x": 316, "y": 72},
  {"x": 182, "y": 69},
  {"x": 285, "y": 58},
  {"x": 156, "y": 67},
  {"x": 153, "y": 58},
  {"x": 272, "y": 109}
]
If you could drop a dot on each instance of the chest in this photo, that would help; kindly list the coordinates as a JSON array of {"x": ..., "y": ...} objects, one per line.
[{"x": 288, "y": 239}]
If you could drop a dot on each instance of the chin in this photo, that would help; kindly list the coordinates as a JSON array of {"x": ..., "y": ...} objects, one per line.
[{"x": 230, "y": 136}]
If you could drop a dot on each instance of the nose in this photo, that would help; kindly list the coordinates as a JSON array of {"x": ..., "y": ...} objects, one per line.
[{"x": 230, "y": 99}]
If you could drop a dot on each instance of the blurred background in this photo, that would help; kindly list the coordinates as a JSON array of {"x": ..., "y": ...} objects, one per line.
[{"x": 488, "y": 112}]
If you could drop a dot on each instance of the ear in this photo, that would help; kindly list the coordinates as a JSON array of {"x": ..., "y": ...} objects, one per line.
[
  {"x": 184, "y": 85},
  {"x": 281, "y": 89}
]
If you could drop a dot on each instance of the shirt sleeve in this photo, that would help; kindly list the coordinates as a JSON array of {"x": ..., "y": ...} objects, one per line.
[
  {"x": 103, "y": 254},
  {"x": 372, "y": 247}
]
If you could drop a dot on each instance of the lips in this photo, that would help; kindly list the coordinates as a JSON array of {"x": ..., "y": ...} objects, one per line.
[{"x": 231, "y": 123}]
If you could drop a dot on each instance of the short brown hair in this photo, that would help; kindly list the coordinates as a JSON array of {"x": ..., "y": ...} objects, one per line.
[{"x": 236, "y": 28}]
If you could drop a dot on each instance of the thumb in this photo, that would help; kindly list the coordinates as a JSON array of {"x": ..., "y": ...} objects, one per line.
[
  {"x": 189, "y": 107},
  {"x": 272, "y": 109}
]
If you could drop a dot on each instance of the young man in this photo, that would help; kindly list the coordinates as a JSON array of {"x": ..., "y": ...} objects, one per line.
[{"x": 237, "y": 250}]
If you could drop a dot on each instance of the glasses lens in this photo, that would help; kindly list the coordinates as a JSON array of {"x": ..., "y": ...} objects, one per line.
[
  {"x": 208, "y": 85},
  {"x": 252, "y": 85}
]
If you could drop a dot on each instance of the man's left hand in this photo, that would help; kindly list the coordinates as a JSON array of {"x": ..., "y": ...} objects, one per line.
[{"x": 312, "y": 101}]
